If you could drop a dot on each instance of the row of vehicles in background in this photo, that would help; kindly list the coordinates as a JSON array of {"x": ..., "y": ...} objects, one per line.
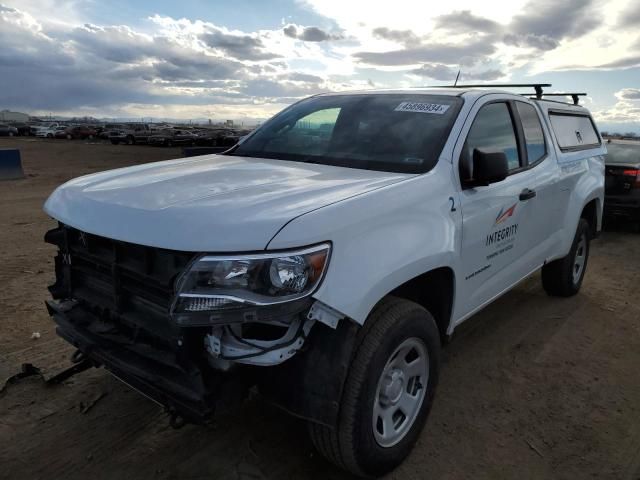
[
  {"x": 131, "y": 133},
  {"x": 168, "y": 136}
]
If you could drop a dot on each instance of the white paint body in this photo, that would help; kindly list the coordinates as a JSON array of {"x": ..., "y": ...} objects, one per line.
[{"x": 385, "y": 228}]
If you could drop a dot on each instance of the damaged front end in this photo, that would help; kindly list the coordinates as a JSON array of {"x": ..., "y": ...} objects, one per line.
[{"x": 184, "y": 329}]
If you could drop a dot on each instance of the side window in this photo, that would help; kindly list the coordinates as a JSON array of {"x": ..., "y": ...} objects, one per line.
[
  {"x": 533, "y": 136},
  {"x": 574, "y": 131},
  {"x": 492, "y": 130},
  {"x": 310, "y": 134}
]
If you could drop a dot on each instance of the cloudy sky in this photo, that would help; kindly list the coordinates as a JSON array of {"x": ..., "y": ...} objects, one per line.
[{"x": 246, "y": 59}]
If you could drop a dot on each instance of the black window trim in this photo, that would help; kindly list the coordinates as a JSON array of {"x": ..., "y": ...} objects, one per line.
[
  {"x": 524, "y": 140},
  {"x": 566, "y": 113},
  {"x": 518, "y": 130}
]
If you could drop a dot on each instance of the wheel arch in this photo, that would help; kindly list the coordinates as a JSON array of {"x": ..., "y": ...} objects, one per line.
[
  {"x": 592, "y": 213},
  {"x": 434, "y": 290}
]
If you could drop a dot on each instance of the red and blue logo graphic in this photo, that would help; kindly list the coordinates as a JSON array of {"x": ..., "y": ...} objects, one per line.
[{"x": 504, "y": 215}]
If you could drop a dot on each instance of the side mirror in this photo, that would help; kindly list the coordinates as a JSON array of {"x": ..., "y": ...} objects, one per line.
[{"x": 489, "y": 167}]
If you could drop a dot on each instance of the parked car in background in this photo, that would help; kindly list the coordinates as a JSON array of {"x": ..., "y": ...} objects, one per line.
[
  {"x": 170, "y": 137},
  {"x": 105, "y": 130},
  {"x": 8, "y": 131},
  {"x": 23, "y": 129},
  {"x": 48, "y": 126},
  {"x": 49, "y": 132},
  {"x": 130, "y": 134},
  {"x": 80, "y": 132},
  {"x": 210, "y": 137},
  {"x": 622, "y": 180}
]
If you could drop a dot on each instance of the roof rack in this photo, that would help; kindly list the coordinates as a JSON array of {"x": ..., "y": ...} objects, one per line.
[
  {"x": 574, "y": 96},
  {"x": 537, "y": 87}
]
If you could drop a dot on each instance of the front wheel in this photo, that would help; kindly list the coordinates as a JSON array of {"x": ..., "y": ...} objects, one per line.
[
  {"x": 563, "y": 277},
  {"x": 388, "y": 391}
]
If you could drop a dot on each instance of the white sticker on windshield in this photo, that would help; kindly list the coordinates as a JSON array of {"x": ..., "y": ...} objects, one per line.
[{"x": 422, "y": 107}]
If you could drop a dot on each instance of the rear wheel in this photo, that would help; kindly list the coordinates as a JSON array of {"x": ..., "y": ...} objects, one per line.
[
  {"x": 388, "y": 392},
  {"x": 11, "y": 134},
  {"x": 130, "y": 140},
  {"x": 115, "y": 142},
  {"x": 563, "y": 277}
]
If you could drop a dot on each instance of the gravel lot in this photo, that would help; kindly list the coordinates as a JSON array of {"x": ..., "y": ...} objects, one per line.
[{"x": 531, "y": 387}]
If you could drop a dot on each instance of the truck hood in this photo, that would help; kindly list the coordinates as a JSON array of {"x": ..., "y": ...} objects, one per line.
[{"x": 212, "y": 203}]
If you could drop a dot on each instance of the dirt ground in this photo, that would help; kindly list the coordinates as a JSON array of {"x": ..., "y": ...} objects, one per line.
[{"x": 532, "y": 387}]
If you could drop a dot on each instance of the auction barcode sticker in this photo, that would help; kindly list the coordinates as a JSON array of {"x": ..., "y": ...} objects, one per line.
[{"x": 422, "y": 107}]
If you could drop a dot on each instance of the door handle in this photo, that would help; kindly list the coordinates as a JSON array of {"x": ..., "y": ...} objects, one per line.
[{"x": 527, "y": 194}]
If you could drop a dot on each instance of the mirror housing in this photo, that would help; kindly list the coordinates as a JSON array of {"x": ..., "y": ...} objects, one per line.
[{"x": 489, "y": 166}]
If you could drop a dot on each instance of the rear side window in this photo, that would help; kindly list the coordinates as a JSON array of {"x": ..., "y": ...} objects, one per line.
[
  {"x": 574, "y": 132},
  {"x": 533, "y": 136},
  {"x": 492, "y": 130}
]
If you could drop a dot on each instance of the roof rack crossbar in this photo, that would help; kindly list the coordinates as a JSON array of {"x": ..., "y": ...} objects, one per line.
[
  {"x": 574, "y": 96},
  {"x": 536, "y": 86}
]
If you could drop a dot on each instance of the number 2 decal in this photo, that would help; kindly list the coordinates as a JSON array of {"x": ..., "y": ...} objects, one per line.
[{"x": 453, "y": 204}]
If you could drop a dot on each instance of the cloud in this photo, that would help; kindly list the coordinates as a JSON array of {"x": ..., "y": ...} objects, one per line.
[
  {"x": 406, "y": 37},
  {"x": 266, "y": 88},
  {"x": 100, "y": 67},
  {"x": 625, "y": 110},
  {"x": 547, "y": 22},
  {"x": 117, "y": 43},
  {"x": 445, "y": 73},
  {"x": 468, "y": 53},
  {"x": 463, "y": 21},
  {"x": 301, "y": 77},
  {"x": 626, "y": 62},
  {"x": 628, "y": 94},
  {"x": 237, "y": 45},
  {"x": 310, "y": 34},
  {"x": 630, "y": 17},
  {"x": 66, "y": 63}
]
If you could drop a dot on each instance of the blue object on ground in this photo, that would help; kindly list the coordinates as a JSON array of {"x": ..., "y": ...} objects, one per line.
[{"x": 10, "y": 164}]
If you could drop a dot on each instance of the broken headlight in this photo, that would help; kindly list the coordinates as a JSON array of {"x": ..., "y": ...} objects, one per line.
[{"x": 220, "y": 282}]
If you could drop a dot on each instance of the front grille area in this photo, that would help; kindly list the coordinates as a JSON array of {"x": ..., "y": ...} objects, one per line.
[{"x": 119, "y": 281}]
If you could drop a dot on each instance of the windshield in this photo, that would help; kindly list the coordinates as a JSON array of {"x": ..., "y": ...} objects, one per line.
[
  {"x": 388, "y": 132},
  {"x": 623, "y": 153}
]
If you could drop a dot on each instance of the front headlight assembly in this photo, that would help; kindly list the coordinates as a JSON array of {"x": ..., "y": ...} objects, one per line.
[{"x": 234, "y": 287}]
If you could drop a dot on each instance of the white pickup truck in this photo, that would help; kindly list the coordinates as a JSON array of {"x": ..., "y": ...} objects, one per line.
[{"x": 327, "y": 256}]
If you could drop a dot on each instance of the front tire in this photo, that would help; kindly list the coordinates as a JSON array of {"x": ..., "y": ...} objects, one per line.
[
  {"x": 563, "y": 277},
  {"x": 388, "y": 391}
]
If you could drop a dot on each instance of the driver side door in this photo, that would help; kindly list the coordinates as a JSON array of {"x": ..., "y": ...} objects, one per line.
[{"x": 497, "y": 218}]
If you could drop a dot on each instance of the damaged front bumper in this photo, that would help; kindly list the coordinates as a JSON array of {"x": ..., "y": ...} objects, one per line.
[{"x": 179, "y": 384}]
